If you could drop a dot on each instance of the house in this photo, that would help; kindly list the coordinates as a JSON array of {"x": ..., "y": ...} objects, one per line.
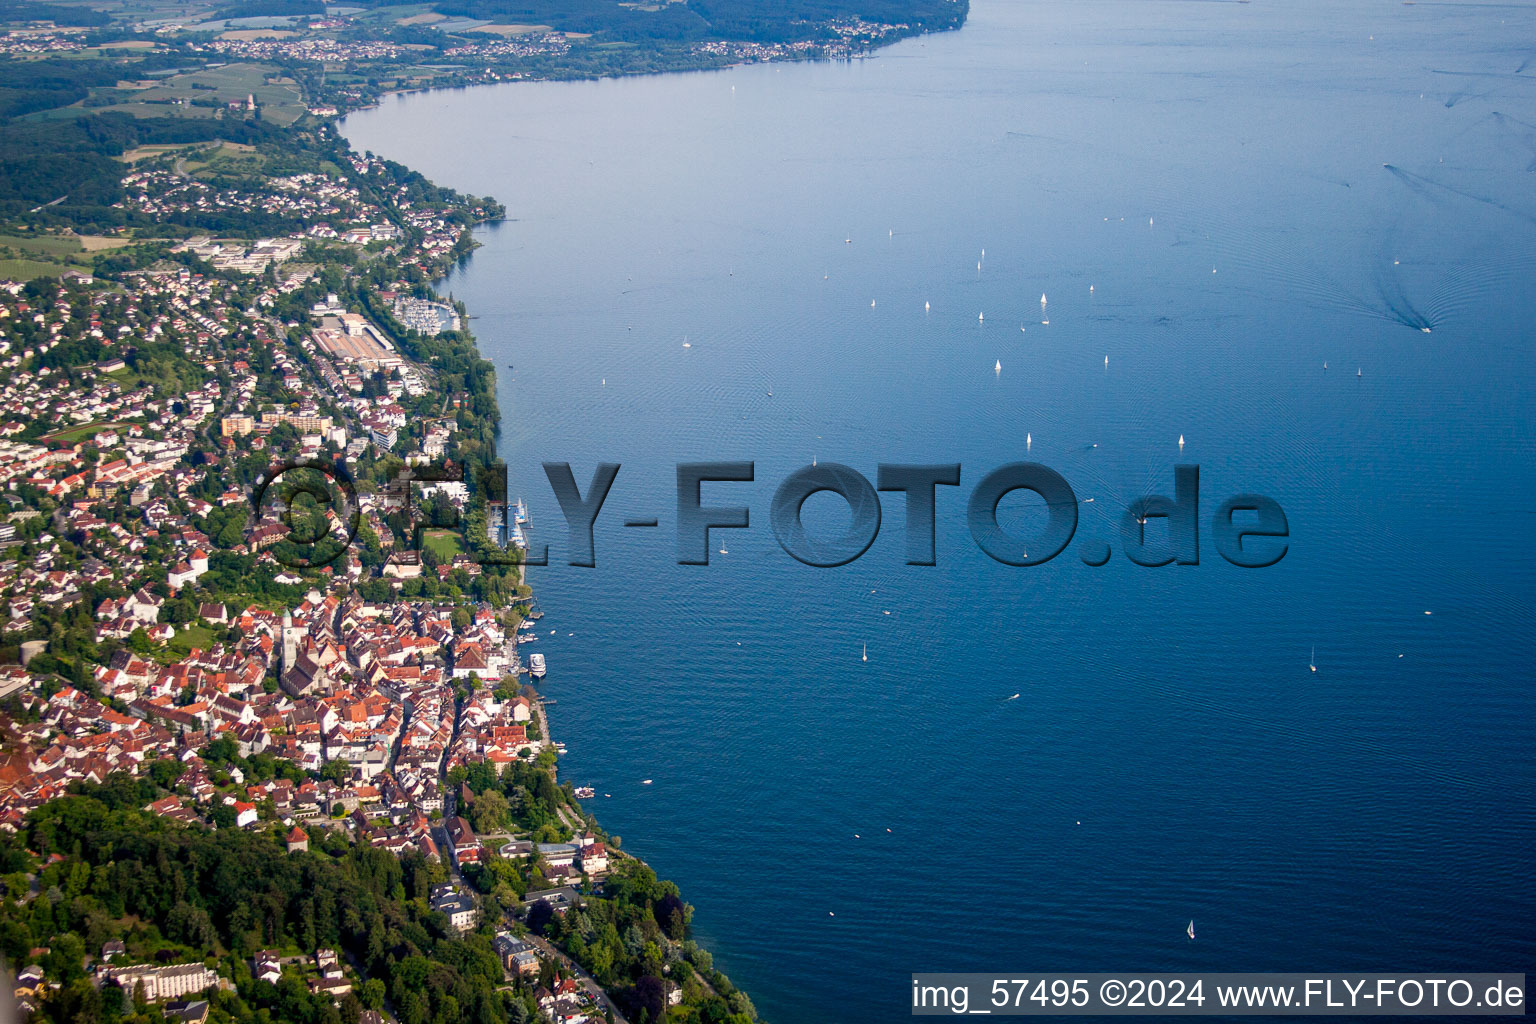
[
  {"x": 245, "y": 814},
  {"x": 462, "y": 842},
  {"x": 267, "y": 966},
  {"x": 516, "y": 955},
  {"x": 193, "y": 1011},
  {"x": 333, "y": 987},
  {"x": 111, "y": 949},
  {"x": 594, "y": 858},
  {"x": 327, "y": 963},
  {"x": 458, "y": 906}
]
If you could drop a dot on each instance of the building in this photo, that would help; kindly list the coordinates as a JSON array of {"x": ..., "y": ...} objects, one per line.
[
  {"x": 162, "y": 983},
  {"x": 189, "y": 1011},
  {"x": 516, "y": 955},
  {"x": 267, "y": 966},
  {"x": 462, "y": 842},
  {"x": 327, "y": 963},
  {"x": 297, "y": 840},
  {"x": 458, "y": 906},
  {"x": 560, "y": 899}
]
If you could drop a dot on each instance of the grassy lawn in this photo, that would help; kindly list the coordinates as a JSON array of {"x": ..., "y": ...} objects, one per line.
[
  {"x": 189, "y": 637},
  {"x": 42, "y": 245},
  {"x": 26, "y": 270},
  {"x": 444, "y": 543}
]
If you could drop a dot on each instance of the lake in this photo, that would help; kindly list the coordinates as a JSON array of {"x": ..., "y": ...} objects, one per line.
[{"x": 1241, "y": 218}]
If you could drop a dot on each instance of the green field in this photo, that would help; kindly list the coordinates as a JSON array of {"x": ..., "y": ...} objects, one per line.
[
  {"x": 26, "y": 270},
  {"x": 443, "y": 543},
  {"x": 42, "y": 245},
  {"x": 188, "y": 637},
  {"x": 282, "y": 102}
]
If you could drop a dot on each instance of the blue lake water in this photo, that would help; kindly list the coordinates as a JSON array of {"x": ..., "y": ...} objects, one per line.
[{"x": 1220, "y": 199}]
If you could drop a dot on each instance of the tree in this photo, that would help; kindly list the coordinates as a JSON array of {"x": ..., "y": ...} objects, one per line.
[
  {"x": 671, "y": 914},
  {"x": 371, "y": 995},
  {"x": 650, "y": 999},
  {"x": 489, "y": 811},
  {"x": 539, "y": 916}
]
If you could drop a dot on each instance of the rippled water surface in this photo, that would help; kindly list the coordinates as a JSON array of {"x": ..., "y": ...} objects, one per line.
[{"x": 1251, "y": 211}]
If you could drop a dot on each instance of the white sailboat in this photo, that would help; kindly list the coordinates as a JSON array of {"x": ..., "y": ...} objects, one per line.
[
  {"x": 998, "y": 368},
  {"x": 926, "y": 307},
  {"x": 866, "y": 652},
  {"x": 1181, "y": 442},
  {"x": 1029, "y": 441},
  {"x": 981, "y": 317},
  {"x": 1190, "y": 931}
]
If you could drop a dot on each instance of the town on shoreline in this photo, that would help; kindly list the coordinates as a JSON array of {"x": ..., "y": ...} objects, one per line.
[{"x": 269, "y": 744}]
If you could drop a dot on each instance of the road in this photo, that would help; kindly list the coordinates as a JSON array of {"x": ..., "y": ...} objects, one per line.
[{"x": 571, "y": 968}]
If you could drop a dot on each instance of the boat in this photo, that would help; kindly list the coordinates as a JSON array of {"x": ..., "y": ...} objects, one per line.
[
  {"x": 1029, "y": 441},
  {"x": 980, "y": 317},
  {"x": 645, "y": 782},
  {"x": 926, "y": 307},
  {"x": 866, "y": 652},
  {"x": 1181, "y": 442},
  {"x": 1313, "y": 663},
  {"x": 998, "y": 367},
  {"x": 1014, "y": 697},
  {"x": 536, "y": 665},
  {"x": 1190, "y": 931},
  {"x": 1042, "y": 300}
]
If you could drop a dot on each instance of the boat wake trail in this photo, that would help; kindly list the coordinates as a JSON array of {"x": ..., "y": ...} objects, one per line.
[
  {"x": 1526, "y": 133},
  {"x": 1427, "y": 187},
  {"x": 1397, "y": 304}
]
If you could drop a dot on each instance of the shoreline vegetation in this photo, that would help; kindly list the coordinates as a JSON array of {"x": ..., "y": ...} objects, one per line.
[{"x": 248, "y": 771}]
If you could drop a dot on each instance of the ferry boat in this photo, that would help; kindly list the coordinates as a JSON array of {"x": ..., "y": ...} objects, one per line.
[
  {"x": 536, "y": 665},
  {"x": 584, "y": 792}
]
